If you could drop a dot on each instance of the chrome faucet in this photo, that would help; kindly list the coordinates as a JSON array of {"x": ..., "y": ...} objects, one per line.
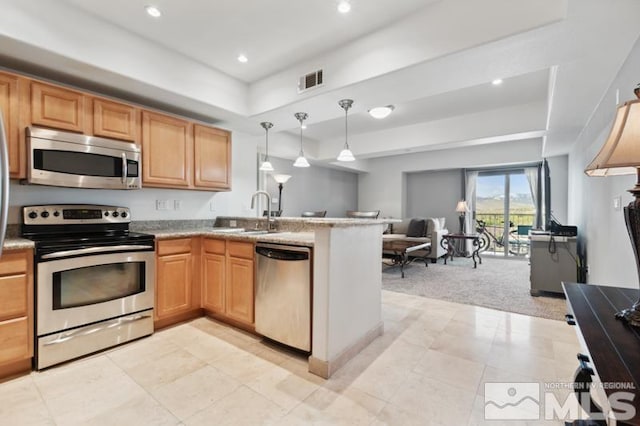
[{"x": 270, "y": 220}]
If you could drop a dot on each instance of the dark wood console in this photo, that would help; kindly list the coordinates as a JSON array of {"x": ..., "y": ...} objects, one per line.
[{"x": 611, "y": 347}]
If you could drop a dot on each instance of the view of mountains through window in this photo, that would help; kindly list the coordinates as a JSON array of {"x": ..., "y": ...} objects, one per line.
[{"x": 490, "y": 194}]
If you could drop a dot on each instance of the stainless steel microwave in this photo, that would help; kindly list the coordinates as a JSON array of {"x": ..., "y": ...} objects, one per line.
[{"x": 78, "y": 161}]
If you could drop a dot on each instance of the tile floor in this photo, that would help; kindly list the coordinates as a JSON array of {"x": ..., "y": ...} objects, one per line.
[{"x": 429, "y": 368}]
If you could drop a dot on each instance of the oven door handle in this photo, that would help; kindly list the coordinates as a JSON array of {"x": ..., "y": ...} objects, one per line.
[
  {"x": 63, "y": 337},
  {"x": 92, "y": 250}
]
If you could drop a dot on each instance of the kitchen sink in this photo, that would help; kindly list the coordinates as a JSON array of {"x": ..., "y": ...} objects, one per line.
[{"x": 260, "y": 232}]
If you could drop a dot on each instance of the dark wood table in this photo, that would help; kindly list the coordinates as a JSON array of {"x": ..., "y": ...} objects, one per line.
[
  {"x": 447, "y": 243},
  {"x": 612, "y": 346},
  {"x": 401, "y": 249}
]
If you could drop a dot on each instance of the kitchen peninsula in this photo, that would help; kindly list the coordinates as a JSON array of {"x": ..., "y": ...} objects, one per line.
[{"x": 346, "y": 277}]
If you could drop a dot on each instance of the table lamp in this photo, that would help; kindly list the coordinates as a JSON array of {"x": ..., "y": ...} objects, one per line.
[
  {"x": 621, "y": 155},
  {"x": 281, "y": 179},
  {"x": 462, "y": 208}
]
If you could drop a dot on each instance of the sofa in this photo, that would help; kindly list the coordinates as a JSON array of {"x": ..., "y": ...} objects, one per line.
[{"x": 430, "y": 230}]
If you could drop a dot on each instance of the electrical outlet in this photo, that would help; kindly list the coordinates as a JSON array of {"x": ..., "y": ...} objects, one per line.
[
  {"x": 177, "y": 204},
  {"x": 617, "y": 203},
  {"x": 161, "y": 205},
  {"x": 233, "y": 223},
  {"x": 274, "y": 200}
]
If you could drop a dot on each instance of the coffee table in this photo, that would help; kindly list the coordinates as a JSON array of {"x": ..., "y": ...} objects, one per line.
[
  {"x": 401, "y": 249},
  {"x": 447, "y": 243}
]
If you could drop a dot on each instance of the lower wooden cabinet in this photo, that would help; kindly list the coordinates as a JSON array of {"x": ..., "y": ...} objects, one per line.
[
  {"x": 16, "y": 311},
  {"x": 177, "y": 290},
  {"x": 228, "y": 279}
]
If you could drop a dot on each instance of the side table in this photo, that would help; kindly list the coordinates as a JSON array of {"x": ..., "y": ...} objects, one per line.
[{"x": 447, "y": 243}]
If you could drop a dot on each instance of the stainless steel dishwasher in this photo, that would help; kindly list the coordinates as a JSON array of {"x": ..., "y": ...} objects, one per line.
[{"x": 283, "y": 294}]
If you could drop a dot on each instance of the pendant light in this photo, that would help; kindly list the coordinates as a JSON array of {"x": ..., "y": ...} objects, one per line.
[
  {"x": 266, "y": 164},
  {"x": 301, "y": 161},
  {"x": 346, "y": 154}
]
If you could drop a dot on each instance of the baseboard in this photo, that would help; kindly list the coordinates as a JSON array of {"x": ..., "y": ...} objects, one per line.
[{"x": 325, "y": 369}]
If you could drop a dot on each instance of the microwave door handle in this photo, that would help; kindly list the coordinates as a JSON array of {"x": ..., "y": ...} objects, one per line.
[{"x": 124, "y": 169}]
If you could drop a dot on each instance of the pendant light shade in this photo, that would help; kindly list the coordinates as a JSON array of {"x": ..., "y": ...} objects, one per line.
[
  {"x": 346, "y": 154},
  {"x": 266, "y": 164},
  {"x": 301, "y": 161}
]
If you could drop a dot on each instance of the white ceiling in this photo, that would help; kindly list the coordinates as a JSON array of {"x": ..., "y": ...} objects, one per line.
[{"x": 433, "y": 59}]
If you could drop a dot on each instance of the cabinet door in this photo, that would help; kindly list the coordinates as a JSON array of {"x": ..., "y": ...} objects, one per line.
[
  {"x": 15, "y": 340},
  {"x": 212, "y": 161},
  {"x": 57, "y": 107},
  {"x": 10, "y": 114},
  {"x": 114, "y": 120},
  {"x": 213, "y": 282},
  {"x": 173, "y": 285},
  {"x": 167, "y": 151},
  {"x": 16, "y": 306},
  {"x": 239, "y": 289}
]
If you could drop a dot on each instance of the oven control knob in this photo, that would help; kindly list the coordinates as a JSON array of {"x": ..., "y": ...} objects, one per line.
[
  {"x": 123, "y": 214},
  {"x": 33, "y": 215},
  {"x": 115, "y": 214},
  {"x": 106, "y": 214},
  {"x": 56, "y": 213},
  {"x": 44, "y": 214}
]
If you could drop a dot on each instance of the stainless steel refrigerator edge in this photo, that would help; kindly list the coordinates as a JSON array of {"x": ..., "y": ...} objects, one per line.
[
  {"x": 4, "y": 184},
  {"x": 283, "y": 294}
]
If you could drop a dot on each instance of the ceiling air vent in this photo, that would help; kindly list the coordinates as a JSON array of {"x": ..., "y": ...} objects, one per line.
[{"x": 310, "y": 81}]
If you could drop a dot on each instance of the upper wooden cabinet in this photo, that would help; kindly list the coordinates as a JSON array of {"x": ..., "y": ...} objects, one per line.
[
  {"x": 179, "y": 154},
  {"x": 212, "y": 148},
  {"x": 10, "y": 114},
  {"x": 57, "y": 107},
  {"x": 167, "y": 151},
  {"x": 115, "y": 120},
  {"x": 176, "y": 153}
]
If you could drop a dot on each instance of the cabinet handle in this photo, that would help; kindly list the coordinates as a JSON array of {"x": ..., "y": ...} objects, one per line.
[{"x": 570, "y": 320}]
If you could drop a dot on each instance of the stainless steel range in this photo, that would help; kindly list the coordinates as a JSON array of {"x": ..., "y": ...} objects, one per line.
[{"x": 93, "y": 281}]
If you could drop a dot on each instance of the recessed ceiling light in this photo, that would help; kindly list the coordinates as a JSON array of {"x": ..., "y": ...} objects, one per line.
[
  {"x": 344, "y": 6},
  {"x": 243, "y": 59},
  {"x": 304, "y": 126},
  {"x": 381, "y": 112},
  {"x": 153, "y": 11},
  {"x": 497, "y": 82}
]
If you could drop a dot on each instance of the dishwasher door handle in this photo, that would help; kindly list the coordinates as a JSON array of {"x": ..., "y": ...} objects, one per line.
[{"x": 283, "y": 253}]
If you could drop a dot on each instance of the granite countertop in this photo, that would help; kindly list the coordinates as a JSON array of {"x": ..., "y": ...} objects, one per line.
[
  {"x": 294, "y": 238},
  {"x": 17, "y": 244}
]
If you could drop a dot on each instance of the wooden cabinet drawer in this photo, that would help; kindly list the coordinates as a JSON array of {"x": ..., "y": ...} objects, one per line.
[
  {"x": 177, "y": 246},
  {"x": 214, "y": 246},
  {"x": 14, "y": 298},
  {"x": 56, "y": 107},
  {"x": 14, "y": 340},
  {"x": 13, "y": 263},
  {"x": 240, "y": 249}
]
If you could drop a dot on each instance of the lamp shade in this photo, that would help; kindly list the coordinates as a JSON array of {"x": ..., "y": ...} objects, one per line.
[
  {"x": 281, "y": 178},
  {"x": 462, "y": 207},
  {"x": 301, "y": 161},
  {"x": 620, "y": 154},
  {"x": 266, "y": 166},
  {"x": 346, "y": 155}
]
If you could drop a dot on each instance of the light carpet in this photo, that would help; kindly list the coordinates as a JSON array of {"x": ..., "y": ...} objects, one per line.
[{"x": 497, "y": 283}]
